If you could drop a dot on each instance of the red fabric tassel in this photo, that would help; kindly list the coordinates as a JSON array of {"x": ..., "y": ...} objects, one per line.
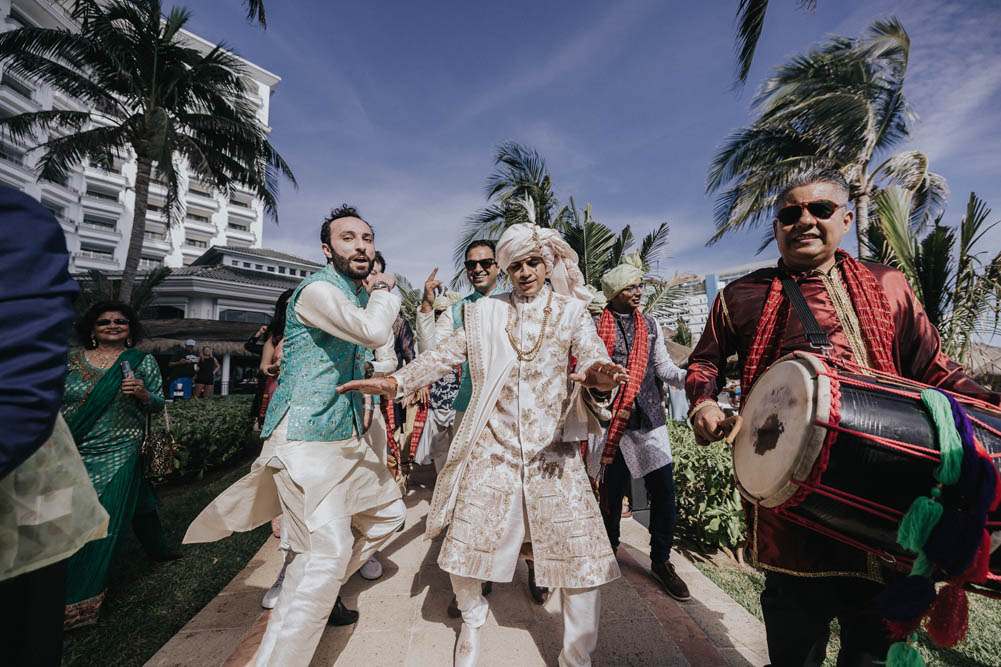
[
  {"x": 981, "y": 562},
  {"x": 949, "y": 618}
]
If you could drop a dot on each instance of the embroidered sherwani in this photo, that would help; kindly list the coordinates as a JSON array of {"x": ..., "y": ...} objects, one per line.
[
  {"x": 509, "y": 464},
  {"x": 776, "y": 544}
]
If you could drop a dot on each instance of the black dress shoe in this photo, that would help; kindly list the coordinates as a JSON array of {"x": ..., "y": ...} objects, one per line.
[
  {"x": 539, "y": 593},
  {"x": 341, "y": 615}
]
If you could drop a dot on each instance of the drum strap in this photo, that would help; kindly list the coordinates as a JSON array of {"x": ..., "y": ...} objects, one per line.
[{"x": 811, "y": 328}]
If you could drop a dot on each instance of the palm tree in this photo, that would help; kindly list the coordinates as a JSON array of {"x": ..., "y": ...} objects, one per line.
[
  {"x": 750, "y": 19},
  {"x": 960, "y": 291},
  {"x": 411, "y": 299},
  {"x": 158, "y": 97},
  {"x": 841, "y": 105},
  {"x": 255, "y": 12},
  {"x": 95, "y": 287},
  {"x": 682, "y": 333},
  {"x": 520, "y": 172}
]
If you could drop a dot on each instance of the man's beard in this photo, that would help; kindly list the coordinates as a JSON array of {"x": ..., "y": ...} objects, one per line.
[{"x": 343, "y": 266}]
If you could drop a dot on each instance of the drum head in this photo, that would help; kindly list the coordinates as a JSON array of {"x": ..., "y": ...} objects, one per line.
[{"x": 779, "y": 441}]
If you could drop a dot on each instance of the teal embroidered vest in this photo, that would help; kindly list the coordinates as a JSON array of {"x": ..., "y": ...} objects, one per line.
[{"x": 313, "y": 364}]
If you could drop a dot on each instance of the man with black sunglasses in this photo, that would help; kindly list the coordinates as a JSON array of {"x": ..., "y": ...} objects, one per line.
[
  {"x": 871, "y": 317},
  {"x": 481, "y": 272}
]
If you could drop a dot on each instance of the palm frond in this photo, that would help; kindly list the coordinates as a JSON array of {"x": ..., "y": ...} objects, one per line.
[
  {"x": 750, "y": 20},
  {"x": 662, "y": 301},
  {"x": 653, "y": 245}
]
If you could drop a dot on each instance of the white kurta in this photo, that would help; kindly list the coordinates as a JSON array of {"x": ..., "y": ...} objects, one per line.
[{"x": 340, "y": 478}]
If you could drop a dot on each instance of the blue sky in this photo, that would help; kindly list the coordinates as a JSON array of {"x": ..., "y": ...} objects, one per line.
[{"x": 397, "y": 107}]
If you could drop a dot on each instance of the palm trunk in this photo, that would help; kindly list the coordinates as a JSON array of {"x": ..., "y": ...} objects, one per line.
[
  {"x": 144, "y": 167},
  {"x": 862, "y": 224}
]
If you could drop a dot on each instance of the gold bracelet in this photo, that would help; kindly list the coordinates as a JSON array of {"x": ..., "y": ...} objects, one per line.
[{"x": 699, "y": 406}]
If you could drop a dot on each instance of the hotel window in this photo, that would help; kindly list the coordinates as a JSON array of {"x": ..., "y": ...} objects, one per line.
[
  {"x": 271, "y": 269},
  {"x": 96, "y": 222},
  {"x": 18, "y": 86},
  {"x": 238, "y": 227},
  {"x": 102, "y": 194},
  {"x": 246, "y": 265},
  {"x": 196, "y": 243},
  {"x": 259, "y": 267},
  {"x": 95, "y": 252},
  {"x": 281, "y": 269},
  {"x": 194, "y": 217}
]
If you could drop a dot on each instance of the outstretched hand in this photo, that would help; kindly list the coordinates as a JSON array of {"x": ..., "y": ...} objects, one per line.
[
  {"x": 370, "y": 387},
  {"x": 602, "y": 375}
]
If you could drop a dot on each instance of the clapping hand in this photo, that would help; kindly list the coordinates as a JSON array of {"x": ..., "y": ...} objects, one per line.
[{"x": 602, "y": 375}]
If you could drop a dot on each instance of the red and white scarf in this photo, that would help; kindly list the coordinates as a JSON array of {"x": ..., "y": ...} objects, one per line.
[
  {"x": 622, "y": 406},
  {"x": 871, "y": 307}
]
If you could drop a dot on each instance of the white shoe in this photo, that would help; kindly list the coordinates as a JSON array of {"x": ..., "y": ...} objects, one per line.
[
  {"x": 467, "y": 647},
  {"x": 271, "y": 596},
  {"x": 372, "y": 569}
]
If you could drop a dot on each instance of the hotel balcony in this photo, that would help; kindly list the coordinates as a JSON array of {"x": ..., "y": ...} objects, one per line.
[
  {"x": 102, "y": 202},
  {"x": 17, "y": 95},
  {"x": 156, "y": 243},
  {"x": 241, "y": 210},
  {"x": 105, "y": 176},
  {"x": 201, "y": 226},
  {"x": 98, "y": 232},
  {"x": 239, "y": 236},
  {"x": 88, "y": 259},
  {"x": 202, "y": 198}
]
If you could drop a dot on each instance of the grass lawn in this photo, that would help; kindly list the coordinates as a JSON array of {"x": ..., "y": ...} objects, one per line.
[
  {"x": 147, "y": 602},
  {"x": 982, "y": 647}
]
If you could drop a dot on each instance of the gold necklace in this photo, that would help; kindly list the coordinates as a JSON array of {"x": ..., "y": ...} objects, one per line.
[
  {"x": 531, "y": 354},
  {"x": 102, "y": 361}
]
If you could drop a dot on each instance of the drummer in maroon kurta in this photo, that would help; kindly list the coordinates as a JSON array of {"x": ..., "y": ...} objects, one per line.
[{"x": 872, "y": 317}]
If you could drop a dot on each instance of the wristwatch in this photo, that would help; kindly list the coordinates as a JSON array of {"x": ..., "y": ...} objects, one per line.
[{"x": 382, "y": 284}]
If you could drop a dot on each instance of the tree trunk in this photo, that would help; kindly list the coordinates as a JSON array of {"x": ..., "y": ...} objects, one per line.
[
  {"x": 862, "y": 224},
  {"x": 144, "y": 167}
]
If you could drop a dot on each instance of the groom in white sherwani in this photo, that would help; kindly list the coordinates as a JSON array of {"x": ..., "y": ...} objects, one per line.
[{"x": 514, "y": 474}]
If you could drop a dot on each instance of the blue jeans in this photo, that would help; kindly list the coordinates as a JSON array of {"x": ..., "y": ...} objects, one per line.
[
  {"x": 660, "y": 489},
  {"x": 184, "y": 384}
]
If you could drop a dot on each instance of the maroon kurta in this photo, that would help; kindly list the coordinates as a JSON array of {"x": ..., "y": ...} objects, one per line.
[{"x": 777, "y": 544}]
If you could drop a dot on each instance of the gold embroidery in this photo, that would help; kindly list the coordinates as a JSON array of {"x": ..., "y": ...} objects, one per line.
[
  {"x": 727, "y": 320},
  {"x": 846, "y": 314},
  {"x": 873, "y": 571}
]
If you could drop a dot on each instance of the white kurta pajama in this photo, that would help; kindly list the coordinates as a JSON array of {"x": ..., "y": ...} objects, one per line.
[
  {"x": 338, "y": 500},
  {"x": 510, "y": 477}
]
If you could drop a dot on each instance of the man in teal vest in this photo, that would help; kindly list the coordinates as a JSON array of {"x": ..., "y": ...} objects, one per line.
[
  {"x": 482, "y": 272},
  {"x": 319, "y": 467}
]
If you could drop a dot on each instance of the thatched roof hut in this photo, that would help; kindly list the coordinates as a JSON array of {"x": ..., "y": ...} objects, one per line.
[{"x": 163, "y": 336}]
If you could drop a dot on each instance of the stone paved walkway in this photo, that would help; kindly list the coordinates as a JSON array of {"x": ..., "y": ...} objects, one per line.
[{"x": 403, "y": 619}]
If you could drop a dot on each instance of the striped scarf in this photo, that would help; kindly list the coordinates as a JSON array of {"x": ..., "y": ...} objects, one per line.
[
  {"x": 622, "y": 406},
  {"x": 389, "y": 416},
  {"x": 419, "y": 421},
  {"x": 871, "y": 307}
]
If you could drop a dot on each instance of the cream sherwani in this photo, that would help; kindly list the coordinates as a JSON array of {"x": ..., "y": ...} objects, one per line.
[
  {"x": 339, "y": 502},
  {"x": 510, "y": 477}
]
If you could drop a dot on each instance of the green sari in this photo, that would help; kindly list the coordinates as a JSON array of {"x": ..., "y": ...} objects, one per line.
[{"x": 109, "y": 427}]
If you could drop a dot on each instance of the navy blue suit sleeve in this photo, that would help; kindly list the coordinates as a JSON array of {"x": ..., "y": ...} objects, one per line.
[{"x": 36, "y": 314}]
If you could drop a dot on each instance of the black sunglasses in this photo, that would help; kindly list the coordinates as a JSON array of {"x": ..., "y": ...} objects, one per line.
[
  {"x": 821, "y": 209},
  {"x": 486, "y": 263},
  {"x": 119, "y": 321}
]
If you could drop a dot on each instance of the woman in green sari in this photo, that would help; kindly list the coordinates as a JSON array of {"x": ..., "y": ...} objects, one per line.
[{"x": 106, "y": 411}]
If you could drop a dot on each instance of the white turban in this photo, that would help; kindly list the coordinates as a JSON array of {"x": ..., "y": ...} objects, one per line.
[
  {"x": 524, "y": 240},
  {"x": 629, "y": 270}
]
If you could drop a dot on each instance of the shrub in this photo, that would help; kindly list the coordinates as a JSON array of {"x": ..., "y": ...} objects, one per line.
[
  {"x": 708, "y": 503},
  {"x": 209, "y": 432}
]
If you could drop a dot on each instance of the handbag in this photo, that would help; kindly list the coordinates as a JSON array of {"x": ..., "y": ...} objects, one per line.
[{"x": 158, "y": 449}]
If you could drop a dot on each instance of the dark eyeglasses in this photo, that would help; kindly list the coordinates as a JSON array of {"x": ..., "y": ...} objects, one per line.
[
  {"x": 821, "y": 209},
  {"x": 119, "y": 321},
  {"x": 485, "y": 263}
]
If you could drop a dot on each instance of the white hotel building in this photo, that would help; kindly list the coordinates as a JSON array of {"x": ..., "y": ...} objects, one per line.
[{"x": 95, "y": 204}]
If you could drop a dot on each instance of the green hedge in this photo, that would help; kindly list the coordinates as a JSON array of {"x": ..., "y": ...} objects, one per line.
[
  {"x": 708, "y": 502},
  {"x": 209, "y": 432}
]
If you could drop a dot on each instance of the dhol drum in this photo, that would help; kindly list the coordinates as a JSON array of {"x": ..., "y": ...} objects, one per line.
[{"x": 845, "y": 453}]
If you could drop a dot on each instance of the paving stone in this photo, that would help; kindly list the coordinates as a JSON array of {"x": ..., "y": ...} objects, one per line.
[
  {"x": 232, "y": 610},
  {"x": 198, "y": 647}
]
